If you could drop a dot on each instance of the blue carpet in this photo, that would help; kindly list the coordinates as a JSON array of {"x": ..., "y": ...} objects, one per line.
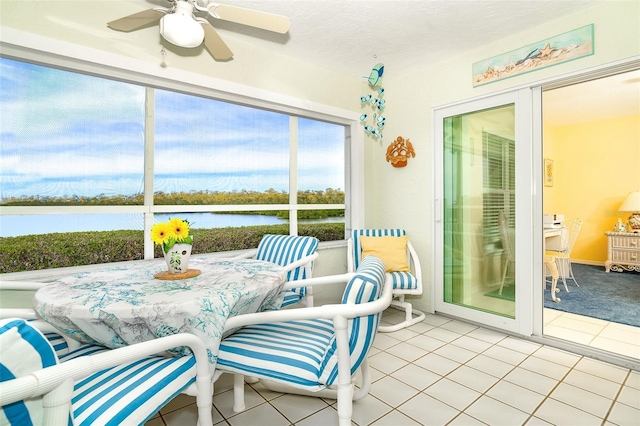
[{"x": 613, "y": 296}]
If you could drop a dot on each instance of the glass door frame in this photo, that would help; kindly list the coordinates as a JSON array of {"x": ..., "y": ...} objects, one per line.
[{"x": 527, "y": 229}]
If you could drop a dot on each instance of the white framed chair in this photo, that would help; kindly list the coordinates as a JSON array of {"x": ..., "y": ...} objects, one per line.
[
  {"x": 406, "y": 279},
  {"x": 550, "y": 263},
  {"x": 562, "y": 254},
  {"x": 296, "y": 254},
  {"x": 125, "y": 386},
  {"x": 312, "y": 351},
  {"x": 507, "y": 237}
]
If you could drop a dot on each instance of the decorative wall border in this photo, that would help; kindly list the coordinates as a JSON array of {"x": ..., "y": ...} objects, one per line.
[{"x": 562, "y": 48}]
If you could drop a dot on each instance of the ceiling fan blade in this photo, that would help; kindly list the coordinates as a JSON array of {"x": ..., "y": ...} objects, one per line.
[
  {"x": 214, "y": 44},
  {"x": 137, "y": 20},
  {"x": 263, "y": 20}
]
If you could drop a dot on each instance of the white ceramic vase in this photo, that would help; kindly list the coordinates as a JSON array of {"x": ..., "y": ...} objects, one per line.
[{"x": 177, "y": 258}]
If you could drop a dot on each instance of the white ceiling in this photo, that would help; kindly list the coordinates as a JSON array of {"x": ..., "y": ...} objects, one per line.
[
  {"x": 601, "y": 99},
  {"x": 347, "y": 36},
  {"x": 350, "y": 36}
]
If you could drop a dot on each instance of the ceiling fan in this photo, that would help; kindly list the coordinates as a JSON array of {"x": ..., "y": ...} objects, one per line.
[{"x": 180, "y": 24}]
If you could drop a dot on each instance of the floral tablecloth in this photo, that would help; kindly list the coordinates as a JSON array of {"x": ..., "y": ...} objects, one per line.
[{"x": 121, "y": 305}]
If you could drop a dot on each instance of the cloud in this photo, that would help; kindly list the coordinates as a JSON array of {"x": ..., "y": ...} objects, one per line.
[{"x": 66, "y": 133}]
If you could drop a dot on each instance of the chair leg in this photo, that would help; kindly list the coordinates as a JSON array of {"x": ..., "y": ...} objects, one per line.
[
  {"x": 410, "y": 319},
  {"x": 571, "y": 273},
  {"x": 238, "y": 393},
  {"x": 553, "y": 270},
  {"x": 563, "y": 272},
  {"x": 504, "y": 276},
  {"x": 363, "y": 390},
  {"x": 56, "y": 403}
]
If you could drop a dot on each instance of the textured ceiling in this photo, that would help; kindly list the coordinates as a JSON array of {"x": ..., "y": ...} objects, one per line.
[
  {"x": 350, "y": 36},
  {"x": 602, "y": 99},
  {"x": 347, "y": 36}
]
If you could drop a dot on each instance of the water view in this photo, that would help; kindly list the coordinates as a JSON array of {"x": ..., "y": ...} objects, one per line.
[{"x": 13, "y": 226}]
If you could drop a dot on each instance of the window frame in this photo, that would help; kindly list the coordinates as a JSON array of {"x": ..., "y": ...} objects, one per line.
[{"x": 115, "y": 67}]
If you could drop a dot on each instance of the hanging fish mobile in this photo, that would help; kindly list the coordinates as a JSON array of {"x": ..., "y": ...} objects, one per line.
[{"x": 377, "y": 103}]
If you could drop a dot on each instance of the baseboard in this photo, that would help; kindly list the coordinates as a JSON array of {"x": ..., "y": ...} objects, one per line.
[{"x": 587, "y": 262}]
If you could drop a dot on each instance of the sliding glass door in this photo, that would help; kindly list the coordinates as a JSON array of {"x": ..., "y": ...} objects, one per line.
[{"x": 483, "y": 153}]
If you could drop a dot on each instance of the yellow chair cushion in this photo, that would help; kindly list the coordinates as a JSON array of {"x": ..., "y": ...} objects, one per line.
[{"x": 391, "y": 250}]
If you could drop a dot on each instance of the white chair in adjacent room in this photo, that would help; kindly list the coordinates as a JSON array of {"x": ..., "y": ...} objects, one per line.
[
  {"x": 562, "y": 254},
  {"x": 401, "y": 261},
  {"x": 507, "y": 237}
]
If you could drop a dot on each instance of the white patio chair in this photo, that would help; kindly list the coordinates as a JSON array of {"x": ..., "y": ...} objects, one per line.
[
  {"x": 123, "y": 386},
  {"x": 312, "y": 351},
  {"x": 296, "y": 254},
  {"x": 401, "y": 261}
]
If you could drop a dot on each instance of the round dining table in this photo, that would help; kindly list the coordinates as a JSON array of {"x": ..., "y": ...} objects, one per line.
[{"x": 125, "y": 304}]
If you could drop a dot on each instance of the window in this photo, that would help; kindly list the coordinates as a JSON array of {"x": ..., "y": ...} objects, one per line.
[
  {"x": 498, "y": 186},
  {"x": 86, "y": 153}
]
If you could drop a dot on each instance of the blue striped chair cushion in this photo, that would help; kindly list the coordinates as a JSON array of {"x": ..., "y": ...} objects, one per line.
[
  {"x": 365, "y": 286},
  {"x": 288, "y": 352},
  {"x": 83, "y": 351},
  {"x": 131, "y": 393},
  {"x": 293, "y": 296},
  {"x": 283, "y": 250},
  {"x": 302, "y": 353},
  {"x": 23, "y": 349},
  {"x": 58, "y": 343},
  {"x": 400, "y": 280},
  {"x": 404, "y": 280}
]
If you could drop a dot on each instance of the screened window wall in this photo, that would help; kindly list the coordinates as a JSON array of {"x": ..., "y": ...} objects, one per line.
[{"x": 83, "y": 153}]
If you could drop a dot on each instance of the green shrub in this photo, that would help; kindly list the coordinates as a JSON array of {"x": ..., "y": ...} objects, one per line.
[{"x": 58, "y": 250}]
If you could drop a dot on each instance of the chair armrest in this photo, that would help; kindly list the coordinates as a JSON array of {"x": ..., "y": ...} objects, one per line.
[
  {"x": 301, "y": 262},
  {"x": 21, "y": 285},
  {"x": 24, "y": 313},
  {"x": 290, "y": 267},
  {"x": 417, "y": 269},
  {"x": 246, "y": 255},
  {"x": 319, "y": 281},
  {"x": 329, "y": 311},
  {"x": 45, "y": 380}
]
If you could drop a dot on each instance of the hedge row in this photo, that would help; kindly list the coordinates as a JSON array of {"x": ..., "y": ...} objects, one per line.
[{"x": 57, "y": 250}]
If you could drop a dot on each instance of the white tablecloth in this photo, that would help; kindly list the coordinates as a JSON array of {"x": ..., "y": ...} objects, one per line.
[{"x": 121, "y": 305}]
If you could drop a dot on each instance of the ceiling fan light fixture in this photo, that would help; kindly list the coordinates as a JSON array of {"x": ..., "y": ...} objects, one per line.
[{"x": 180, "y": 28}]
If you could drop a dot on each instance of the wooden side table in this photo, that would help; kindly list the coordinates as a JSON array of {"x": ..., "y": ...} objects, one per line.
[{"x": 623, "y": 252}]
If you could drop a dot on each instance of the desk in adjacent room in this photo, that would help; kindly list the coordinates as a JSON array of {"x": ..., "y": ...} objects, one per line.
[{"x": 124, "y": 304}]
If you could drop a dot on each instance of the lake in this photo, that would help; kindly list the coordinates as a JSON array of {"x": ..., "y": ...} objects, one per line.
[{"x": 13, "y": 226}]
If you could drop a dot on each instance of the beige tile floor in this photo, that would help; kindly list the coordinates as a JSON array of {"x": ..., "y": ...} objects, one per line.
[
  {"x": 447, "y": 372},
  {"x": 618, "y": 338}
]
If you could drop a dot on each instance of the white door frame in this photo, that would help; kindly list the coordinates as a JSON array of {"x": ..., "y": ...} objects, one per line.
[
  {"x": 525, "y": 223},
  {"x": 535, "y": 190}
]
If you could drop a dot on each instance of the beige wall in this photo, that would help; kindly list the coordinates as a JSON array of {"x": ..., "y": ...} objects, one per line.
[
  {"x": 596, "y": 165},
  {"x": 403, "y": 196}
]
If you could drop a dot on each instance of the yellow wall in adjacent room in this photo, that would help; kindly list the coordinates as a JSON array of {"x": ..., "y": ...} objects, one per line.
[{"x": 596, "y": 165}]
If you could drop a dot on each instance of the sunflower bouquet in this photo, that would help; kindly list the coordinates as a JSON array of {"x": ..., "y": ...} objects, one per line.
[{"x": 175, "y": 231}]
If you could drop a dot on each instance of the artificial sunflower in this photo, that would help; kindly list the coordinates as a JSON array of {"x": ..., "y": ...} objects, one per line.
[
  {"x": 180, "y": 228},
  {"x": 160, "y": 233}
]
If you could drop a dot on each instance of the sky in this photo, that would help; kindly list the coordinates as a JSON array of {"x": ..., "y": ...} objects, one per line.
[{"x": 64, "y": 134}]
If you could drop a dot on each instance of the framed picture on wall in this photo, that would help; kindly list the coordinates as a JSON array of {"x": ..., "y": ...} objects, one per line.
[{"x": 548, "y": 172}]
